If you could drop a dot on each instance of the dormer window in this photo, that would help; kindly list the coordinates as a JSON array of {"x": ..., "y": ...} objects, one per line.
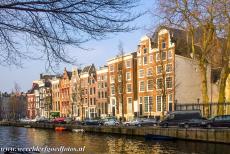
[{"x": 163, "y": 44}]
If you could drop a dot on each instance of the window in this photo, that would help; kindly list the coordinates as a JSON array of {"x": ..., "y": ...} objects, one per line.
[
  {"x": 168, "y": 68},
  {"x": 111, "y": 68},
  {"x": 139, "y": 61},
  {"x": 102, "y": 94},
  {"x": 129, "y": 102},
  {"x": 169, "y": 54},
  {"x": 128, "y": 76},
  {"x": 98, "y": 78},
  {"x": 105, "y": 94},
  {"x": 129, "y": 88},
  {"x": 145, "y": 60},
  {"x": 142, "y": 86},
  {"x": 158, "y": 103},
  {"x": 112, "y": 79},
  {"x": 146, "y": 102},
  {"x": 149, "y": 72},
  {"x": 128, "y": 64},
  {"x": 112, "y": 89},
  {"x": 150, "y": 58},
  {"x": 99, "y": 94},
  {"x": 141, "y": 73},
  {"x": 150, "y": 85},
  {"x": 163, "y": 55},
  {"x": 99, "y": 85},
  {"x": 105, "y": 78},
  {"x": 105, "y": 84},
  {"x": 159, "y": 69},
  {"x": 163, "y": 44},
  {"x": 159, "y": 83},
  {"x": 168, "y": 82},
  {"x": 170, "y": 102}
]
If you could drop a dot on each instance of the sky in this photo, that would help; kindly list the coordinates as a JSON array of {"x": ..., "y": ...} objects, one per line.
[{"x": 100, "y": 51}]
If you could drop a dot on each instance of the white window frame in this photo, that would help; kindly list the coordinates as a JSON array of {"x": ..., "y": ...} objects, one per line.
[
  {"x": 150, "y": 68},
  {"x": 163, "y": 41},
  {"x": 157, "y": 69},
  {"x": 157, "y": 85},
  {"x": 165, "y": 55},
  {"x": 139, "y": 73},
  {"x": 128, "y": 61},
  {"x": 127, "y": 88},
  {"x": 140, "y": 86},
  {"x": 129, "y": 76},
  {"x": 166, "y": 81},
  {"x": 166, "y": 68},
  {"x": 111, "y": 89},
  {"x": 148, "y": 85}
]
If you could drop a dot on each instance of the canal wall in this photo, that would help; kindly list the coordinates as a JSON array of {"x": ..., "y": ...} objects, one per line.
[{"x": 197, "y": 134}]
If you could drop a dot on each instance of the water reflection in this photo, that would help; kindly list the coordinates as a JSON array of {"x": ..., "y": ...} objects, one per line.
[{"x": 102, "y": 143}]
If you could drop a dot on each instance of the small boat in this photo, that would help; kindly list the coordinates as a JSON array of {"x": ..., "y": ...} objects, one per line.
[
  {"x": 60, "y": 128},
  {"x": 78, "y": 130},
  {"x": 27, "y": 126}
]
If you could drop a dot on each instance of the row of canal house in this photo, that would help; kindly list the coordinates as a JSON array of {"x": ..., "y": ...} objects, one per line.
[{"x": 147, "y": 82}]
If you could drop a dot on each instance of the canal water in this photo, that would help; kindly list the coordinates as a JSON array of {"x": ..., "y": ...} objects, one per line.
[{"x": 101, "y": 143}]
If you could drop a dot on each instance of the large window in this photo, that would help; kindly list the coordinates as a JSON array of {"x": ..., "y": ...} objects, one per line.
[
  {"x": 159, "y": 69},
  {"x": 169, "y": 82},
  {"x": 129, "y": 87},
  {"x": 168, "y": 68},
  {"x": 119, "y": 77},
  {"x": 150, "y": 84},
  {"x": 141, "y": 73},
  {"x": 158, "y": 58},
  {"x": 128, "y": 76},
  {"x": 142, "y": 86},
  {"x": 158, "y": 99},
  {"x": 120, "y": 88},
  {"x": 159, "y": 83}
]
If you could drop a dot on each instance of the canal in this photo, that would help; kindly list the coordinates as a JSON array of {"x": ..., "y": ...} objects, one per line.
[{"x": 102, "y": 143}]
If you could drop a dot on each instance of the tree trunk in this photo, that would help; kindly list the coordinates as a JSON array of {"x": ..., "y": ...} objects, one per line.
[
  {"x": 223, "y": 78},
  {"x": 204, "y": 88}
]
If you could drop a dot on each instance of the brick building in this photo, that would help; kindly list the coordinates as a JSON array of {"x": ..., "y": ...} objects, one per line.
[
  {"x": 102, "y": 91},
  {"x": 122, "y": 85}
]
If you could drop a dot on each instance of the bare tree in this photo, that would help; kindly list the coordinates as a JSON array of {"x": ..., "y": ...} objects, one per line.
[
  {"x": 46, "y": 27},
  {"x": 199, "y": 19}
]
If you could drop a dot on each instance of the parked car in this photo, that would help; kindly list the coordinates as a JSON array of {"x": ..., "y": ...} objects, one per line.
[
  {"x": 177, "y": 117},
  {"x": 111, "y": 122},
  {"x": 217, "y": 121},
  {"x": 59, "y": 121},
  {"x": 92, "y": 122},
  {"x": 145, "y": 122},
  {"x": 192, "y": 123},
  {"x": 42, "y": 120}
]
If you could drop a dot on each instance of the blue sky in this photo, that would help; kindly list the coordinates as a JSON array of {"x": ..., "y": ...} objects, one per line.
[{"x": 100, "y": 52}]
